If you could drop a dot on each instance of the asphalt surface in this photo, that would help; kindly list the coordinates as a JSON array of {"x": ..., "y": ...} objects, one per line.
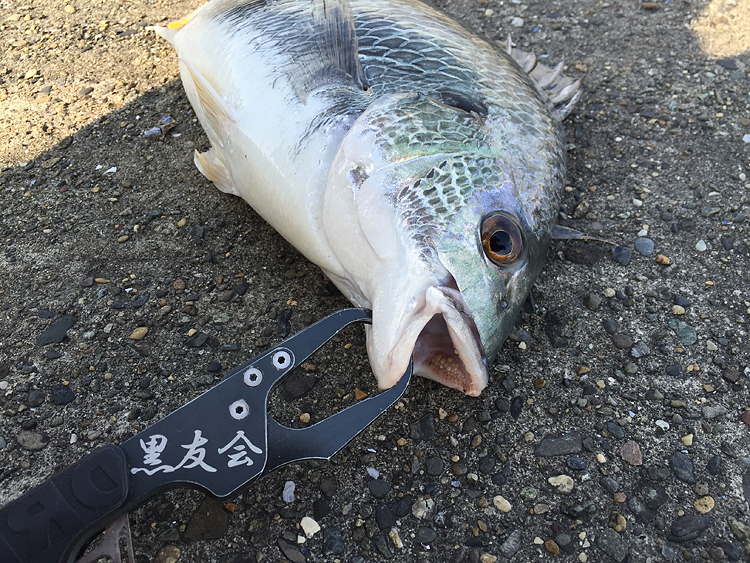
[{"x": 637, "y": 355}]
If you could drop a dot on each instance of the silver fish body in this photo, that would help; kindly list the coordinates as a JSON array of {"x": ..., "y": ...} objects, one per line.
[{"x": 417, "y": 165}]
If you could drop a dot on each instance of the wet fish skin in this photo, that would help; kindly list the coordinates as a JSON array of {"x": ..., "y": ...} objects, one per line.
[{"x": 381, "y": 138}]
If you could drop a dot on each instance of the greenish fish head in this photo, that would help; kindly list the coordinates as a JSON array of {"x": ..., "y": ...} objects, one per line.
[
  {"x": 493, "y": 255},
  {"x": 440, "y": 233}
]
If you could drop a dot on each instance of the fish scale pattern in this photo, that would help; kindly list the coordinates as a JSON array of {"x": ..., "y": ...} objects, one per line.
[
  {"x": 427, "y": 205},
  {"x": 420, "y": 126},
  {"x": 394, "y": 59},
  {"x": 399, "y": 53}
]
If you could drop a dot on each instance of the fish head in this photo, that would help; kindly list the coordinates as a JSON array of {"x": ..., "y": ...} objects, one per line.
[
  {"x": 437, "y": 241},
  {"x": 494, "y": 255}
]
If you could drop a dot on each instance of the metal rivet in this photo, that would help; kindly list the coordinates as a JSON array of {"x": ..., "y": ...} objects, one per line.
[
  {"x": 253, "y": 377},
  {"x": 239, "y": 409},
  {"x": 282, "y": 359}
]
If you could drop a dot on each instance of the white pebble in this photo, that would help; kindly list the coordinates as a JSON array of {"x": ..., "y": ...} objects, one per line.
[
  {"x": 501, "y": 504},
  {"x": 422, "y": 508},
  {"x": 663, "y": 424},
  {"x": 288, "y": 494},
  {"x": 372, "y": 472},
  {"x": 637, "y": 202},
  {"x": 563, "y": 483},
  {"x": 746, "y": 138},
  {"x": 618, "y": 139},
  {"x": 700, "y": 246},
  {"x": 642, "y": 233},
  {"x": 518, "y": 22},
  {"x": 309, "y": 526},
  {"x": 395, "y": 538}
]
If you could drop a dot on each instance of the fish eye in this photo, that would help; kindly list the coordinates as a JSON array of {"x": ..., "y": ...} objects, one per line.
[{"x": 501, "y": 239}]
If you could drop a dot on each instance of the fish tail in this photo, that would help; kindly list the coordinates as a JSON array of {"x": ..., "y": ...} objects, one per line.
[{"x": 172, "y": 28}]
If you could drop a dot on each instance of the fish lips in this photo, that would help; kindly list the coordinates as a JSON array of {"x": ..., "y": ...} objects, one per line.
[{"x": 441, "y": 337}]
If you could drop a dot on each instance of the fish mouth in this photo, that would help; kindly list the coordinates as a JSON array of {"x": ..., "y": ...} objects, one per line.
[{"x": 441, "y": 337}]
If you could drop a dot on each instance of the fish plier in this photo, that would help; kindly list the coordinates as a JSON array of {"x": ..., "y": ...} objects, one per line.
[{"x": 220, "y": 442}]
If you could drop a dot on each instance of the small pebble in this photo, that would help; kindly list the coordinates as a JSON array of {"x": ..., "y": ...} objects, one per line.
[
  {"x": 139, "y": 333},
  {"x": 640, "y": 349},
  {"x": 700, "y": 246},
  {"x": 167, "y": 554},
  {"x": 663, "y": 260},
  {"x": 563, "y": 483},
  {"x": 501, "y": 504},
  {"x": 714, "y": 464},
  {"x": 631, "y": 453},
  {"x": 610, "y": 325},
  {"x": 309, "y": 526},
  {"x": 288, "y": 493},
  {"x": 644, "y": 245},
  {"x": 426, "y": 535},
  {"x": 622, "y": 341},
  {"x": 682, "y": 467},
  {"x": 423, "y": 507},
  {"x": 618, "y": 522},
  {"x": 576, "y": 463},
  {"x": 622, "y": 255},
  {"x": 687, "y": 439},
  {"x": 704, "y": 505},
  {"x": 395, "y": 538}
]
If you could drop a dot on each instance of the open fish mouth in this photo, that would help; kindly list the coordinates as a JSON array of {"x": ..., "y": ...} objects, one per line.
[{"x": 441, "y": 337}]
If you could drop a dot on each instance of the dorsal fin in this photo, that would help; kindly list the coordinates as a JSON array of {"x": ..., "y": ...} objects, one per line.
[
  {"x": 318, "y": 37},
  {"x": 336, "y": 38},
  {"x": 562, "y": 92}
]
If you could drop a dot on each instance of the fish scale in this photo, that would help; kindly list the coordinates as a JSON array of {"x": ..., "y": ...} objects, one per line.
[
  {"x": 435, "y": 199},
  {"x": 419, "y": 166},
  {"x": 420, "y": 126},
  {"x": 504, "y": 93}
]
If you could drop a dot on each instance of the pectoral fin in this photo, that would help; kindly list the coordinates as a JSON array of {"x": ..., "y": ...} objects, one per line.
[
  {"x": 216, "y": 118},
  {"x": 566, "y": 233},
  {"x": 212, "y": 167}
]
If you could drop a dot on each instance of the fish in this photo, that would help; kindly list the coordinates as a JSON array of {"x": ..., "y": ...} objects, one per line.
[{"x": 418, "y": 165}]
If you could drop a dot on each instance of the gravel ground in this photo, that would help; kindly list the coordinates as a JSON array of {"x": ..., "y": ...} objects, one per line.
[{"x": 617, "y": 425}]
